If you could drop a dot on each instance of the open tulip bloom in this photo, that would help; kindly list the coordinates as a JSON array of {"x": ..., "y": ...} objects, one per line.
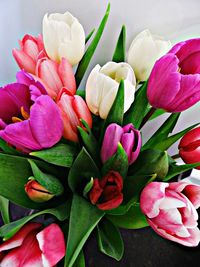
[{"x": 78, "y": 155}]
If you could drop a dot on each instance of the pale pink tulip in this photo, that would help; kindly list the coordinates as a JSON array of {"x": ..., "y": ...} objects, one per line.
[{"x": 170, "y": 209}]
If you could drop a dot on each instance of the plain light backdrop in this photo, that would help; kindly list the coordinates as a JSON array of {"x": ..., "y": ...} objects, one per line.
[{"x": 174, "y": 19}]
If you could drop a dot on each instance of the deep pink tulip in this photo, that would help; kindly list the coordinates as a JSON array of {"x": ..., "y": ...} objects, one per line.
[
  {"x": 29, "y": 118},
  {"x": 73, "y": 108},
  {"x": 170, "y": 209},
  {"x": 189, "y": 147},
  {"x": 174, "y": 83},
  {"x": 31, "y": 48},
  {"x": 55, "y": 76},
  {"x": 31, "y": 246},
  {"x": 128, "y": 136}
]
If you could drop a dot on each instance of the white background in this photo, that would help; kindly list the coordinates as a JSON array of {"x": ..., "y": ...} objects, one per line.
[{"x": 175, "y": 19}]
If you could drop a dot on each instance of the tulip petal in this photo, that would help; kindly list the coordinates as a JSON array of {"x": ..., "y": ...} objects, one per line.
[
  {"x": 192, "y": 192},
  {"x": 45, "y": 122},
  {"x": 52, "y": 244},
  {"x": 82, "y": 110},
  {"x": 67, "y": 75},
  {"x": 173, "y": 200},
  {"x": 151, "y": 198},
  {"x": 24, "y": 61},
  {"x": 185, "y": 48}
]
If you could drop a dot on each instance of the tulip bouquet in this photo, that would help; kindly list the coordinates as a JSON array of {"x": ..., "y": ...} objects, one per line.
[{"x": 75, "y": 158}]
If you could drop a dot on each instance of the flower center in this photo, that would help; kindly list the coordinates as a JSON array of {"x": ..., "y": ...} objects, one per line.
[{"x": 24, "y": 116}]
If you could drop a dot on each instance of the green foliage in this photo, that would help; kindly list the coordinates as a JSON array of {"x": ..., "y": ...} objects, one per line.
[
  {"x": 120, "y": 50},
  {"x": 4, "y": 209}
]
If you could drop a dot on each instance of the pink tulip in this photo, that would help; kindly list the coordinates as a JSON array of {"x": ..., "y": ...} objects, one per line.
[
  {"x": 189, "y": 147},
  {"x": 174, "y": 83},
  {"x": 32, "y": 247},
  {"x": 55, "y": 76},
  {"x": 73, "y": 108},
  {"x": 171, "y": 211},
  {"x": 31, "y": 48}
]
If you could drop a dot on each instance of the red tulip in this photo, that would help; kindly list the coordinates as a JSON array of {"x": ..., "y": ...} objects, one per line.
[
  {"x": 73, "y": 108},
  {"x": 189, "y": 147},
  {"x": 31, "y": 48},
  {"x": 30, "y": 247},
  {"x": 106, "y": 193},
  {"x": 55, "y": 76}
]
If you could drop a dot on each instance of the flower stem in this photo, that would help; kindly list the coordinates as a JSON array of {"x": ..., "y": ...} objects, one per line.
[
  {"x": 148, "y": 115},
  {"x": 176, "y": 156}
]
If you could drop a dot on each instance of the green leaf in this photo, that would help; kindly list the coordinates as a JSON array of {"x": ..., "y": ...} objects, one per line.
[
  {"x": 81, "y": 93},
  {"x": 83, "y": 219},
  {"x": 177, "y": 169},
  {"x": 48, "y": 181},
  {"x": 157, "y": 113},
  {"x": 89, "y": 36},
  {"x": 83, "y": 64},
  {"x": 60, "y": 155},
  {"x": 81, "y": 171},
  {"x": 61, "y": 213},
  {"x": 138, "y": 109},
  {"x": 133, "y": 219},
  {"x": 120, "y": 50},
  {"x": 88, "y": 187},
  {"x": 80, "y": 260},
  {"x": 4, "y": 209},
  {"x": 118, "y": 162},
  {"x": 163, "y": 132},
  {"x": 8, "y": 149},
  {"x": 110, "y": 240},
  {"x": 168, "y": 142},
  {"x": 89, "y": 141},
  {"x": 150, "y": 162}
]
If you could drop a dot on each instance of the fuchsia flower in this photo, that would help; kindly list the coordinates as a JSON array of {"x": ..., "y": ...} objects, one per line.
[
  {"x": 73, "y": 108},
  {"x": 189, "y": 147},
  {"x": 171, "y": 210},
  {"x": 55, "y": 76},
  {"x": 29, "y": 118},
  {"x": 106, "y": 193},
  {"x": 32, "y": 247},
  {"x": 174, "y": 83},
  {"x": 31, "y": 48},
  {"x": 128, "y": 136}
]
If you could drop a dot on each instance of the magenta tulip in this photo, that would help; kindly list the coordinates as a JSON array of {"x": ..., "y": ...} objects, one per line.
[
  {"x": 31, "y": 246},
  {"x": 29, "y": 118},
  {"x": 189, "y": 147},
  {"x": 174, "y": 83},
  {"x": 31, "y": 48},
  {"x": 55, "y": 76},
  {"x": 170, "y": 209},
  {"x": 128, "y": 136}
]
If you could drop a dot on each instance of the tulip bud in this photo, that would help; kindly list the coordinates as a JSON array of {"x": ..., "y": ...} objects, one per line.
[
  {"x": 31, "y": 48},
  {"x": 145, "y": 49},
  {"x": 102, "y": 86},
  {"x": 63, "y": 37},
  {"x": 37, "y": 192},
  {"x": 189, "y": 147},
  {"x": 73, "y": 108},
  {"x": 129, "y": 138},
  {"x": 55, "y": 76}
]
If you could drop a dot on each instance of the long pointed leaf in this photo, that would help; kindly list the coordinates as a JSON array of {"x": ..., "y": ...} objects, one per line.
[
  {"x": 120, "y": 50},
  {"x": 89, "y": 36},
  {"x": 82, "y": 66},
  {"x": 4, "y": 209}
]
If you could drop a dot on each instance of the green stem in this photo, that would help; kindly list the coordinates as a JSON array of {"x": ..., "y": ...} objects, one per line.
[
  {"x": 176, "y": 156},
  {"x": 147, "y": 117}
]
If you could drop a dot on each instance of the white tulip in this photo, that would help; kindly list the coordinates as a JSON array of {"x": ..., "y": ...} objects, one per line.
[
  {"x": 64, "y": 37},
  {"x": 144, "y": 51},
  {"x": 102, "y": 86}
]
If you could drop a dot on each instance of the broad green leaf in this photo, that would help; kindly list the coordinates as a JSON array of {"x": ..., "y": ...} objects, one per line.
[
  {"x": 14, "y": 174},
  {"x": 133, "y": 219},
  {"x": 4, "y": 209},
  {"x": 89, "y": 141},
  {"x": 61, "y": 213},
  {"x": 110, "y": 240},
  {"x": 89, "y": 36},
  {"x": 48, "y": 181},
  {"x": 120, "y": 50},
  {"x": 83, "y": 64},
  {"x": 80, "y": 260},
  {"x": 163, "y": 132},
  {"x": 168, "y": 142},
  {"x": 150, "y": 162},
  {"x": 83, "y": 219},
  {"x": 157, "y": 113},
  {"x": 60, "y": 155},
  {"x": 81, "y": 171},
  {"x": 177, "y": 169},
  {"x": 8, "y": 149},
  {"x": 118, "y": 162}
]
